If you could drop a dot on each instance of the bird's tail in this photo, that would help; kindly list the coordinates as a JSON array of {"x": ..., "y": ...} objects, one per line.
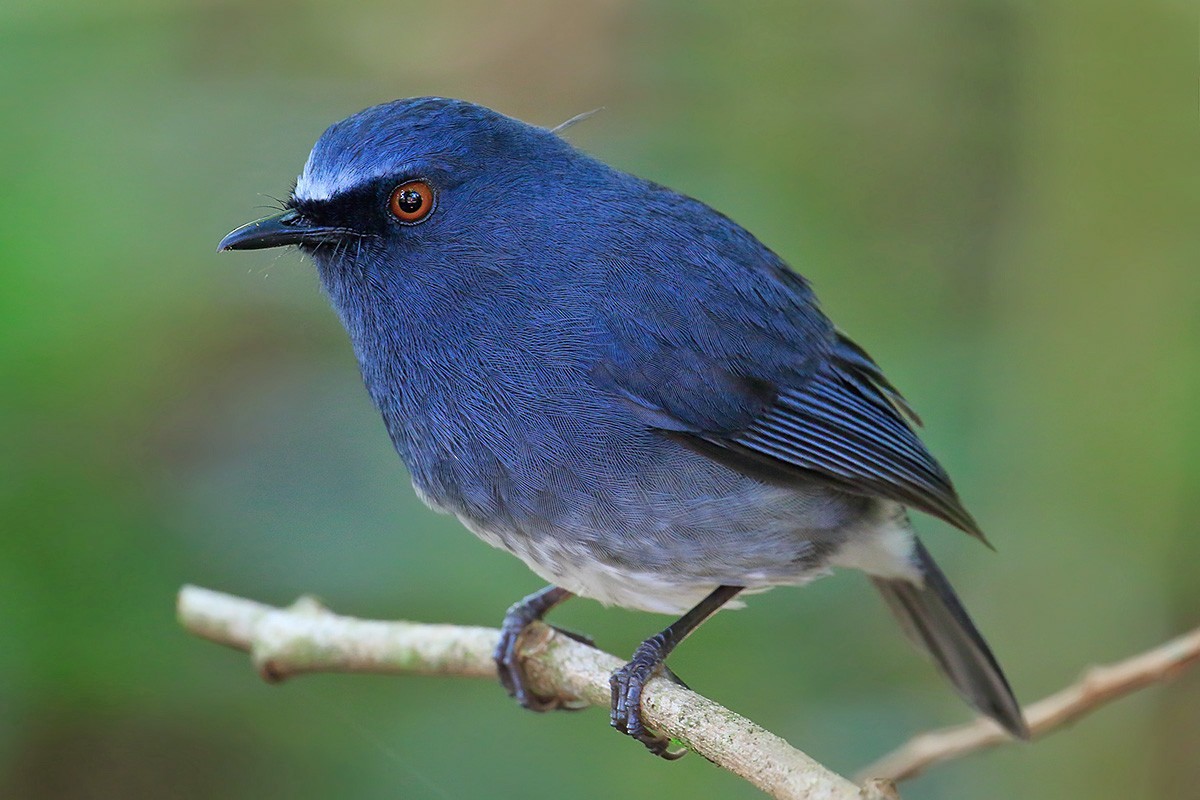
[{"x": 933, "y": 618}]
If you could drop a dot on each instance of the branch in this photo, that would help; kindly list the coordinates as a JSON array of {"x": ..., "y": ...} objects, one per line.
[
  {"x": 308, "y": 638},
  {"x": 1097, "y": 687}
]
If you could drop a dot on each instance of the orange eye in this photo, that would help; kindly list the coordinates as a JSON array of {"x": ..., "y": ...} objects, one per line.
[{"x": 411, "y": 202}]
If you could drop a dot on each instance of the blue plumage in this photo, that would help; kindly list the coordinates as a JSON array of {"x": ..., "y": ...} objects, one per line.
[{"x": 615, "y": 382}]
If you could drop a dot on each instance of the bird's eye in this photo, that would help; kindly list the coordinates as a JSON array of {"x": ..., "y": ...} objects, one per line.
[{"x": 411, "y": 202}]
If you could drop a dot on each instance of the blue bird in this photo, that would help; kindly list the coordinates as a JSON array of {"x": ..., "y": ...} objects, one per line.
[{"x": 618, "y": 385}]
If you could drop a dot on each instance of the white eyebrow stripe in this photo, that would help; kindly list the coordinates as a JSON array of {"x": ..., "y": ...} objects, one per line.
[{"x": 324, "y": 186}]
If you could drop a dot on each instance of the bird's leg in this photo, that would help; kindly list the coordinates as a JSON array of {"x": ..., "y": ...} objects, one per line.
[
  {"x": 507, "y": 656},
  {"x": 627, "y": 682}
]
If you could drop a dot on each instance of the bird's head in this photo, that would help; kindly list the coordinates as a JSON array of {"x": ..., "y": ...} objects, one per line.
[{"x": 417, "y": 189}]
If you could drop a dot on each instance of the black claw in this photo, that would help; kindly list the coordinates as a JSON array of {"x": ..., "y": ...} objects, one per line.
[
  {"x": 507, "y": 654},
  {"x": 661, "y": 747},
  {"x": 627, "y": 683}
]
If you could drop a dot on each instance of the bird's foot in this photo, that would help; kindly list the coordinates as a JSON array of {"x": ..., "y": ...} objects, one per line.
[
  {"x": 508, "y": 651},
  {"x": 627, "y": 684}
]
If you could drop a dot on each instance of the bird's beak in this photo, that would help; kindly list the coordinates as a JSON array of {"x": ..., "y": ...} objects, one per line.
[{"x": 277, "y": 231}]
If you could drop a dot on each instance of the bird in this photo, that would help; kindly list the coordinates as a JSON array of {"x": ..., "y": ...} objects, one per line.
[{"x": 619, "y": 385}]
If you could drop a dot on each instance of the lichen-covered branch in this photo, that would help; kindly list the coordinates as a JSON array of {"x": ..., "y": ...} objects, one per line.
[
  {"x": 309, "y": 638},
  {"x": 1098, "y": 686}
]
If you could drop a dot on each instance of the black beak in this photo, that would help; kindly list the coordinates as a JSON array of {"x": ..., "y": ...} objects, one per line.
[{"x": 277, "y": 231}]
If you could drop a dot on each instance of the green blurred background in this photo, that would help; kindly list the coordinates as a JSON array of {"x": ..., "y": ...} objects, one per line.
[{"x": 998, "y": 199}]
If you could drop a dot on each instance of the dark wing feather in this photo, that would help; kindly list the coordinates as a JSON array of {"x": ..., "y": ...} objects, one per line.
[
  {"x": 849, "y": 430},
  {"x": 845, "y": 423},
  {"x": 855, "y": 359}
]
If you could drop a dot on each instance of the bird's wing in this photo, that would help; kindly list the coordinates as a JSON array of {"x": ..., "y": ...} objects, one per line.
[
  {"x": 847, "y": 424},
  {"x": 829, "y": 413}
]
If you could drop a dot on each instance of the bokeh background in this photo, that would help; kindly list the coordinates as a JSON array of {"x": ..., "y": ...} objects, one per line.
[{"x": 998, "y": 199}]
